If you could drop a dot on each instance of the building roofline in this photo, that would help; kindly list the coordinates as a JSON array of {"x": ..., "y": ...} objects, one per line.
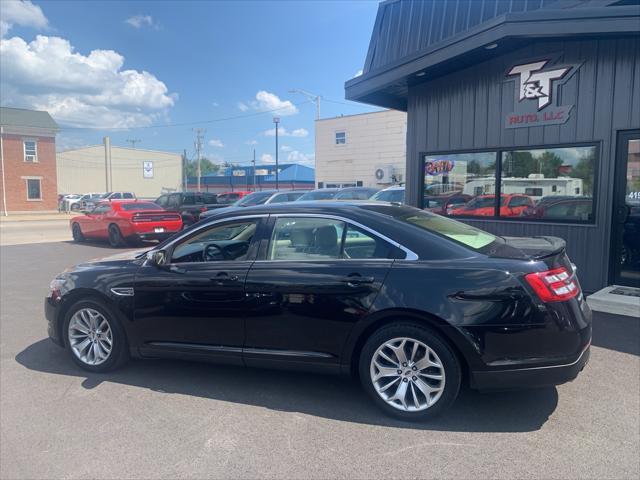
[
  {"x": 373, "y": 87},
  {"x": 384, "y": 110},
  {"x": 118, "y": 147}
]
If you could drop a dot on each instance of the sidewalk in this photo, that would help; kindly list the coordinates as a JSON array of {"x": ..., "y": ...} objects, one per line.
[{"x": 30, "y": 217}]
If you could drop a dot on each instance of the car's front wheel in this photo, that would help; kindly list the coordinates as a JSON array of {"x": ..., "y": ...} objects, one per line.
[
  {"x": 94, "y": 337},
  {"x": 409, "y": 371}
]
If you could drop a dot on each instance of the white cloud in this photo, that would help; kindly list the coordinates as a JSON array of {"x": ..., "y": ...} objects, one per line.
[
  {"x": 269, "y": 102},
  {"x": 302, "y": 158},
  {"x": 80, "y": 90},
  {"x": 216, "y": 142},
  {"x": 267, "y": 158},
  {"x": 139, "y": 21},
  {"x": 24, "y": 13},
  {"x": 286, "y": 148},
  {"x": 283, "y": 132},
  {"x": 215, "y": 104},
  {"x": 358, "y": 73},
  {"x": 251, "y": 142}
]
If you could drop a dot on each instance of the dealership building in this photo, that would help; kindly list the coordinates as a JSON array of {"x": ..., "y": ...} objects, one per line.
[{"x": 529, "y": 108}]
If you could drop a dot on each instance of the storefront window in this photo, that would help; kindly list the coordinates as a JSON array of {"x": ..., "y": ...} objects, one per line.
[
  {"x": 548, "y": 184},
  {"x": 460, "y": 184},
  {"x": 557, "y": 182}
]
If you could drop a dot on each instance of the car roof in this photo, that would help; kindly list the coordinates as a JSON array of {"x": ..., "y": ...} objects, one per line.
[
  {"x": 394, "y": 187},
  {"x": 327, "y": 207}
]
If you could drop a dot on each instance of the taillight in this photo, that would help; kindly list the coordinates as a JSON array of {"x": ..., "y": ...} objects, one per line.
[
  {"x": 203, "y": 209},
  {"x": 553, "y": 285}
]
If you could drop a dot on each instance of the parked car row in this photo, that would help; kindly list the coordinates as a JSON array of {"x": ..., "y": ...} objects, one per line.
[{"x": 75, "y": 202}]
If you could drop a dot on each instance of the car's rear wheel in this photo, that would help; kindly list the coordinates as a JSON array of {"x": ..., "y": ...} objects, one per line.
[
  {"x": 94, "y": 337},
  {"x": 115, "y": 236},
  {"x": 409, "y": 371},
  {"x": 76, "y": 231}
]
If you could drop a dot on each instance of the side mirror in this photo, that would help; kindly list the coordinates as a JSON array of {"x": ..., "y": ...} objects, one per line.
[{"x": 156, "y": 258}]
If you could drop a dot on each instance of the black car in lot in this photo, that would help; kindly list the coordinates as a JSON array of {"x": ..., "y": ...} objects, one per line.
[
  {"x": 411, "y": 302},
  {"x": 190, "y": 205}
]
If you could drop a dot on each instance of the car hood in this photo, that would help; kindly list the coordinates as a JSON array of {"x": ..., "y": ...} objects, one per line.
[{"x": 114, "y": 260}]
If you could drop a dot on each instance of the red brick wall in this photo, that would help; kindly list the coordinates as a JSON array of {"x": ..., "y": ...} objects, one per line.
[{"x": 16, "y": 168}]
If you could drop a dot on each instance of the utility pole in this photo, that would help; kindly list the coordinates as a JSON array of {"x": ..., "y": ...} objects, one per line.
[
  {"x": 310, "y": 96},
  {"x": 107, "y": 162},
  {"x": 276, "y": 120},
  {"x": 254, "y": 169},
  {"x": 184, "y": 170},
  {"x": 199, "y": 137},
  {"x": 133, "y": 141}
]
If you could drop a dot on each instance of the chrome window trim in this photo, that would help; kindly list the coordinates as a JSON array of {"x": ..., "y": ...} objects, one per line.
[{"x": 410, "y": 254}]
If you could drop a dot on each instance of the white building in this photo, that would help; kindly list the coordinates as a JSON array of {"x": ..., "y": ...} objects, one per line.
[
  {"x": 147, "y": 173},
  {"x": 367, "y": 150}
]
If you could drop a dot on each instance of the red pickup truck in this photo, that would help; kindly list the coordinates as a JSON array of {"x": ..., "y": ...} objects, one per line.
[{"x": 122, "y": 221}]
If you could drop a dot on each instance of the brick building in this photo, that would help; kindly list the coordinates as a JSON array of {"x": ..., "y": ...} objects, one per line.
[{"x": 28, "y": 161}]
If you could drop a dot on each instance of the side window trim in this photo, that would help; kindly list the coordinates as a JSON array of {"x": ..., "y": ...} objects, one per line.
[{"x": 410, "y": 254}]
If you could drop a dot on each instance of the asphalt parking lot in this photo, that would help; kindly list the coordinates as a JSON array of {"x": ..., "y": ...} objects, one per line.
[{"x": 165, "y": 419}]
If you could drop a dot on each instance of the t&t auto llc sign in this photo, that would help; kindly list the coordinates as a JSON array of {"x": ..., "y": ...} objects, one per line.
[{"x": 536, "y": 92}]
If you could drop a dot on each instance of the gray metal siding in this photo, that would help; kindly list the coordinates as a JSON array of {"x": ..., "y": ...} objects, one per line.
[
  {"x": 405, "y": 27},
  {"x": 466, "y": 110}
]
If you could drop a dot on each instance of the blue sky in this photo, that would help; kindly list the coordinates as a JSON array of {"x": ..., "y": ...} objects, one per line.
[{"x": 159, "y": 63}]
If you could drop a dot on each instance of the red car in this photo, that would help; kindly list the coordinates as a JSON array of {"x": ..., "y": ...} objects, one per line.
[
  {"x": 230, "y": 197},
  {"x": 445, "y": 204},
  {"x": 511, "y": 205},
  {"x": 122, "y": 221}
]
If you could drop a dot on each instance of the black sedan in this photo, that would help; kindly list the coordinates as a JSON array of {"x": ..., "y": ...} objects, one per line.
[{"x": 411, "y": 302}]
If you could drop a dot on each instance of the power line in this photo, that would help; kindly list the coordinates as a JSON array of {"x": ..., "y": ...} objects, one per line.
[{"x": 171, "y": 125}]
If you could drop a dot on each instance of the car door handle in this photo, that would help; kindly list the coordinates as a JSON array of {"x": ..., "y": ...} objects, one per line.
[
  {"x": 356, "y": 280},
  {"x": 223, "y": 278}
]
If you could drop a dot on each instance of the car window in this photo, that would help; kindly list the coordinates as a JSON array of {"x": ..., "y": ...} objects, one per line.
[
  {"x": 294, "y": 196},
  {"x": 519, "y": 202},
  {"x": 226, "y": 242},
  {"x": 389, "y": 196},
  {"x": 280, "y": 198},
  {"x": 209, "y": 198},
  {"x": 325, "y": 239},
  {"x": 140, "y": 206},
  {"x": 116, "y": 196},
  {"x": 162, "y": 201},
  {"x": 361, "y": 244},
  {"x": 317, "y": 195},
  {"x": 127, "y": 195},
  {"x": 462, "y": 233},
  {"x": 188, "y": 199},
  {"x": 101, "y": 209},
  {"x": 174, "y": 201},
  {"x": 306, "y": 239}
]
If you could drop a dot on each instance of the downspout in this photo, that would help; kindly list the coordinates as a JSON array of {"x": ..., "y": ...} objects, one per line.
[{"x": 4, "y": 187}]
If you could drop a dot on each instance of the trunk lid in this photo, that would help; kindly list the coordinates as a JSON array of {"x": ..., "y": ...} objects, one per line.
[{"x": 551, "y": 250}]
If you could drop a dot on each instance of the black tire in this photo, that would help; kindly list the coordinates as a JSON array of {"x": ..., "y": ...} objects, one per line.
[
  {"x": 115, "y": 236},
  {"x": 120, "y": 347},
  {"x": 76, "y": 231},
  {"x": 448, "y": 359}
]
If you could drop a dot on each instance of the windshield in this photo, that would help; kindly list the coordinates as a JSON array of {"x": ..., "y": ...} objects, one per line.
[
  {"x": 256, "y": 198},
  {"x": 460, "y": 232},
  {"x": 389, "y": 196},
  {"x": 319, "y": 195}
]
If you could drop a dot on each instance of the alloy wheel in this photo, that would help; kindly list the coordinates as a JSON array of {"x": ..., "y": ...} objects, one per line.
[
  {"x": 90, "y": 336},
  {"x": 407, "y": 374}
]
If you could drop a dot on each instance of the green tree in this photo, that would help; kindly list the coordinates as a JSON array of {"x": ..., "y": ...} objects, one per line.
[
  {"x": 207, "y": 167},
  {"x": 584, "y": 170}
]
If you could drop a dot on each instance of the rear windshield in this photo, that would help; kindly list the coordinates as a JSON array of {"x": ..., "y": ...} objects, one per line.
[
  {"x": 389, "y": 196},
  {"x": 462, "y": 233},
  {"x": 256, "y": 198},
  {"x": 317, "y": 196},
  {"x": 140, "y": 206}
]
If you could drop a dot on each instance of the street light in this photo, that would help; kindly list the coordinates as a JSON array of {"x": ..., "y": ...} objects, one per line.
[
  {"x": 276, "y": 120},
  {"x": 310, "y": 96}
]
